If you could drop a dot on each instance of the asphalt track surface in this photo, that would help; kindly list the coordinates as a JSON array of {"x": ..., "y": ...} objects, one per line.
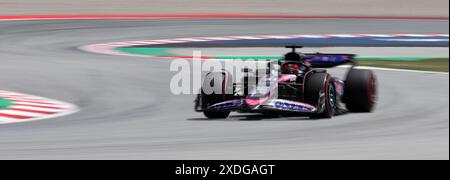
[{"x": 128, "y": 112}]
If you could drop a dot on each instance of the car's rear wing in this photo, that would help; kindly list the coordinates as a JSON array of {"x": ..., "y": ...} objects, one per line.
[{"x": 319, "y": 60}]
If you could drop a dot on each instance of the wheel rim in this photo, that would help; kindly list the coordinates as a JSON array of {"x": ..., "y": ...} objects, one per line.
[{"x": 331, "y": 96}]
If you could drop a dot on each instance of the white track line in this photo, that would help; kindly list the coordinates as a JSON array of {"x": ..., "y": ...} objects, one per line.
[{"x": 393, "y": 69}]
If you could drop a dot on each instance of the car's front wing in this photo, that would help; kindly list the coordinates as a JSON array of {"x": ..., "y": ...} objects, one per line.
[{"x": 239, "y": 105}]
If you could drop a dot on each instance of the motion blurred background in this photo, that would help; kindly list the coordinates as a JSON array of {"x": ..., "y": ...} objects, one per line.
[{"x": 429, "y": 8}]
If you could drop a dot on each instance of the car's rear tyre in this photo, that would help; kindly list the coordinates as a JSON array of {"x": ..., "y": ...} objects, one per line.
[
  {"x": 360, "y": 91},
  {"x": 320, "y": 92},
  {"x": 209, "y": 99}
]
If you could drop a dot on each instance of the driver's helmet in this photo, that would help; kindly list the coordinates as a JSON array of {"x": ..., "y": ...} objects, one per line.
[
  {"x": 290, "y": 68},
  {"x": 294, "y": 56}
]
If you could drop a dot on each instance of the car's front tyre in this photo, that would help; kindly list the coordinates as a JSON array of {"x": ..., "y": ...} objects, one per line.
[
  {"x": 320, "y": 91},
  {"x": 209, "y": 99}
]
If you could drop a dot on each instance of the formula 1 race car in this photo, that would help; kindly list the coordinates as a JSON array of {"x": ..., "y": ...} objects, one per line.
[{"x": 300, "y": 86}]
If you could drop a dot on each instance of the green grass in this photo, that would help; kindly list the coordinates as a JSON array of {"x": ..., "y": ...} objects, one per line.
[
  {"x": 146, "y": 51},
  {"x": 438, "y": 64},
  {"x": 412, "y": 63}
]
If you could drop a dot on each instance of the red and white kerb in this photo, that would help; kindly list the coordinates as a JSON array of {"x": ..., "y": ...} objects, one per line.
[{"x": 31, "y": 108}]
